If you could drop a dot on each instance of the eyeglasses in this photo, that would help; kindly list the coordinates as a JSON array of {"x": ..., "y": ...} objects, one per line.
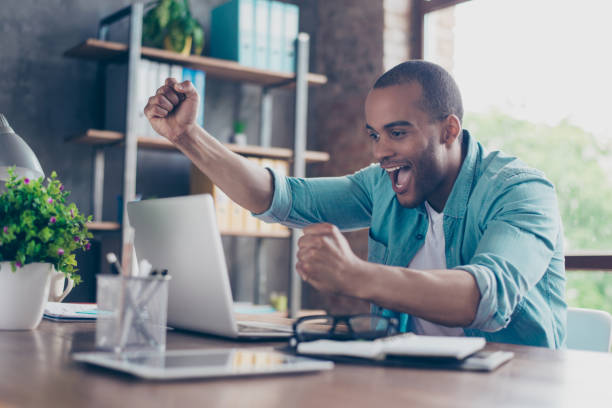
[{"x": 349, "y": 327}]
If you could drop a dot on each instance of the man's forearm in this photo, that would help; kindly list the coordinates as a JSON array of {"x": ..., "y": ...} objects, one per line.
[
  {"x": 449, "y": 297},
  {"x": 246, "y": 183}
]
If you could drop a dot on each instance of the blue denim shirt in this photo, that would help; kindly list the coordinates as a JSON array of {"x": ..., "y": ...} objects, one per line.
[{"x": 501, "y": 224}]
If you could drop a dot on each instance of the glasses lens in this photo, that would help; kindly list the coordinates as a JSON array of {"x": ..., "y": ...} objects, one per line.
[
  {"x": 315, "y": 327},
  {"x": 371, "y": 327}
]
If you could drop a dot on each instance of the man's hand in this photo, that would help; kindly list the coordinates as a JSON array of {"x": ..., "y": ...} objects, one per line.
[
  {"x": 326, "y": 261},
  {"x": 173, "y": 109}
]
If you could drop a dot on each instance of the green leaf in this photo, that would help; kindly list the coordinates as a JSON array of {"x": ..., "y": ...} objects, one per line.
[
  {"x": 198, "y": 39},
  {"x": 45, "y": 234}
]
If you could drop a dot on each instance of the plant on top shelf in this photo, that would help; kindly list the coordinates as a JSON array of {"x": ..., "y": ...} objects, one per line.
[
  {"x": 169, "y": 25},
  {"x": 36, "y": 225}
]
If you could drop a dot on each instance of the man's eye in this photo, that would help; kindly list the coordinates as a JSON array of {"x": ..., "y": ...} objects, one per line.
[
  {"x": 397, "y": 133},
  {"x": 374, "y": 136}
]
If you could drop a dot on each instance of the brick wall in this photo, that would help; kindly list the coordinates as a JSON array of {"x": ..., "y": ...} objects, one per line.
[
  {"x": 396, "y": 34},
  {"x": 348, "y": 48}
]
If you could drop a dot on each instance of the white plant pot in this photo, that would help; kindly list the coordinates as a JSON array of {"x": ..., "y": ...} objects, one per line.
[{"x": 23, "y": 295}]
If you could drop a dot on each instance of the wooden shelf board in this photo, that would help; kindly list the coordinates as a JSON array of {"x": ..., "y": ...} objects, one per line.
[
  {"x": 99, "y": 137},
  {"x": 103, "y": 226},
  {"x": 115, "y": 226},
  {"x": 275, "y": 234},
  {"x": 95, "y": 49}
]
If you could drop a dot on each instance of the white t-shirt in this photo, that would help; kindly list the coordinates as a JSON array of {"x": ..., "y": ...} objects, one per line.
[{"x": 432, "y": 256}]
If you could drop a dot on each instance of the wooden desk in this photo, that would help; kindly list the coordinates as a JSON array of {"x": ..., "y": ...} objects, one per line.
[{"x": 36, "y": 371}]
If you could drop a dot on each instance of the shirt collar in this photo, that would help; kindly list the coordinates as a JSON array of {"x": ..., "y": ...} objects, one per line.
[{"x": 456, "y": 205}]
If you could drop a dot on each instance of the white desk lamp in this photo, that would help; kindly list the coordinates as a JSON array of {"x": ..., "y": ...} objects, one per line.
[{"x": 15, "y": 152}]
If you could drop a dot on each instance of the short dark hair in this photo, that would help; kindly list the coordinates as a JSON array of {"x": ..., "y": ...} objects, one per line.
[{"x": 441, "y": 96}]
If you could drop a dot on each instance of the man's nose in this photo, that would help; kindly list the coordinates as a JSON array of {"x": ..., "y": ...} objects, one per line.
[{"x": 382, "y": 149}]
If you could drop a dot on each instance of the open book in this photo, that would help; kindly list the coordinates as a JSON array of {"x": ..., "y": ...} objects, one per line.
[{"x": 463, "y": 353}]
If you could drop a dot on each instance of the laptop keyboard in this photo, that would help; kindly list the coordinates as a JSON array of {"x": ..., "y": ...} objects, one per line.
[{"x": 259, "y": 327}]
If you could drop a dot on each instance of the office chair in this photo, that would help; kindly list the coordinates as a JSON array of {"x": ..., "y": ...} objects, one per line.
[{"x": 588, "y": 329}]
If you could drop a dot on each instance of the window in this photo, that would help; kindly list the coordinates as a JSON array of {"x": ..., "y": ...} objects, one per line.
[{"x": 536, "y": 83}]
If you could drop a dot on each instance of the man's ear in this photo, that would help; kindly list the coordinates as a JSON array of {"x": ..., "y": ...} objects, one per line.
[{"x": 452, "y": 129}]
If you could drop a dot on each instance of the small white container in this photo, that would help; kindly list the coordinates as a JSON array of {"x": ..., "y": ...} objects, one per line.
[{"x": 132, "y": 313}]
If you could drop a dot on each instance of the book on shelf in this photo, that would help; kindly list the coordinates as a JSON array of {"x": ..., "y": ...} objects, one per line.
[
  {"x": 251, "y": 224},
  {"x": 236, "y": 223},
  {"x": 291, "y": 20},
  {"x": 267, "y": 227},
  {"x": 150, "y": 76},
  {"x": 232, "y": 31},
  {"x": 262, "y": 28},
  {"x": 176, "y": 72},
  {"x": 199, "y": 81},
  {"x": 255, "y": 33},
  {"x": 231, "y": 217},
  {"x": 223, "y": 206},
  {"x": 199, "y": 183},
  {"x": 116, "y": 87},
  {"x": 276, "y": 36}
]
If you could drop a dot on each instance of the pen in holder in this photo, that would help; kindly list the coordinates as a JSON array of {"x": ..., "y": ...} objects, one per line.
[{"x": 132, "y": 312}]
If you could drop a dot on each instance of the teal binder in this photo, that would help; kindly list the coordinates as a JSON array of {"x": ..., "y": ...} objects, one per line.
[
  {"x": 262, "y": 30},
  {"x": 199, "y": 80},
  {"x": 232, "y": 32},
  {"x": 276, "y": 33},
  {"x": 292, "y": 19}
]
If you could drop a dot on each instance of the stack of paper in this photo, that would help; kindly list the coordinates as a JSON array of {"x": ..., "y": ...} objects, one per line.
[{"x": 70, "y": 311}]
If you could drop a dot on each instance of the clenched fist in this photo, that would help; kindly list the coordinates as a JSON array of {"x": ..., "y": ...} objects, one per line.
[
  {"x": 173, "y": 109},
  {"x": 326, "y": 261}
]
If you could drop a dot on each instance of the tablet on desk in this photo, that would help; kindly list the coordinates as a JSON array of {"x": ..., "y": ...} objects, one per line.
[{"x": 178, "y": 364}]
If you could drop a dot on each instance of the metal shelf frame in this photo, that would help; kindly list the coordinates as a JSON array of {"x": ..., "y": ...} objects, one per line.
[{"x": 135, "y": 14}]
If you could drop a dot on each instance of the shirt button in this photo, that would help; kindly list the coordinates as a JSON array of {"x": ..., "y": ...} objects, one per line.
[{"x": 420, "y": 236}]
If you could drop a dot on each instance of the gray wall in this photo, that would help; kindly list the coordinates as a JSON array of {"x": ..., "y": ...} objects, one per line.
[{"x": 47, "y": 97}]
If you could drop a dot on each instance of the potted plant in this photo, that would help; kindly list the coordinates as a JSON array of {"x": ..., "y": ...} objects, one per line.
[
  {"x": 170, "y": 25},
  {"x": 39, "y": 234}
]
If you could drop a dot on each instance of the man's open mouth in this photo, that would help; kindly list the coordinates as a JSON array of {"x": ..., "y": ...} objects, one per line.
[{"x": 400, "y": 176}]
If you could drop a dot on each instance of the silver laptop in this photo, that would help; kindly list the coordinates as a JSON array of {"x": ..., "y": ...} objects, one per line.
[{"x": 181, "y": 234}]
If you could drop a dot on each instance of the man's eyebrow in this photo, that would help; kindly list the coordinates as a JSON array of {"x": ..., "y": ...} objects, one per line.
[
  {"x": 397, "y": 123},
  {"x": 368, "y": 127}
]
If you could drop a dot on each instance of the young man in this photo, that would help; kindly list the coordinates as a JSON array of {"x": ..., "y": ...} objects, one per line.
[{"x": 462, "y": 241}]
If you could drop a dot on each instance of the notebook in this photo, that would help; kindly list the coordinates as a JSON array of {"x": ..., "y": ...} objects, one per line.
[
  {"x": 70, "y": 312},
  {"x": 180, "y": 234},
  {"x": 408, "y": 349}
]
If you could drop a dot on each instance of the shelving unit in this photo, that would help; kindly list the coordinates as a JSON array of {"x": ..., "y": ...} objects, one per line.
[
  {"x": 98, "y": 49},
  {"x": 106, "y": 137}
]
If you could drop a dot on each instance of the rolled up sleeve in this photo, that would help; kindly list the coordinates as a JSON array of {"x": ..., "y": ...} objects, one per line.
[
  {"x": 281, "y": 200},
  {"x": 517, "y": 245},
  {"x": 342, "y": 201}
]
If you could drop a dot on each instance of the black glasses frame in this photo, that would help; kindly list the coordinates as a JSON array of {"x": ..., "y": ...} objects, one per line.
[{"x": 333, "y": 334}]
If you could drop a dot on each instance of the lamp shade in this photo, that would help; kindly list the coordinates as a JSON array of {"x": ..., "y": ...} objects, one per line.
[{"x": 15, "y": 152}]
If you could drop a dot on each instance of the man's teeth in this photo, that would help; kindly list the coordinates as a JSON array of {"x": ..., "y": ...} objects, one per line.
[{"x": 392, "y": 169}]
